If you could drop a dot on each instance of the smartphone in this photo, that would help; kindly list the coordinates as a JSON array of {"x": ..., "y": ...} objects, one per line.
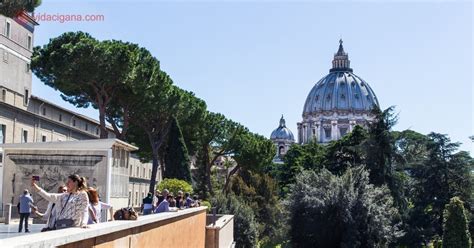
[{"x": 36, "y": 178}]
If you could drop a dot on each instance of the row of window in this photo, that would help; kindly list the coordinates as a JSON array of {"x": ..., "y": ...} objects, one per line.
[
  {"x": 343, "y": 97},
  {"x": 135, "y": 201},
  {"x": 327, "y": 132},
  {"x": 8, "y": 34},
  {"x": 60, "y": 118},
  {"x": 6, "y": 56},
  {"x": 137, "y": 174},
  {"x": 24, "y": 135},
  {"x": 26, "y": 98}
]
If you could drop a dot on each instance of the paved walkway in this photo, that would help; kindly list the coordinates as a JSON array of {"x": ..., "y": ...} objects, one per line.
[{"x": 11, "y": 230}]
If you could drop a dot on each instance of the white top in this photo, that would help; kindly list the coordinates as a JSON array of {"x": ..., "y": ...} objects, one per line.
[
  {"x": 97, "y": 210},
  {"x": 50, "y": 215},
  {"x": 75, "y": 209}
]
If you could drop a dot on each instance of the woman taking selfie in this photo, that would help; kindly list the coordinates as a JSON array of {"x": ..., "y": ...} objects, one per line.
[{"x": 71, "y": 206}]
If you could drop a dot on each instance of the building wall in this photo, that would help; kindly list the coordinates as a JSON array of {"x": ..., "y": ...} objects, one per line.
[
  {"x": 140, "y": 175},
  {"x": 15, "y": 60}
]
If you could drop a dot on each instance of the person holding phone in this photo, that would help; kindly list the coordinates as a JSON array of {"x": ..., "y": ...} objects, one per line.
[
  {"x": 50, "y": 214},
  {"x": 71, "y": 207}
]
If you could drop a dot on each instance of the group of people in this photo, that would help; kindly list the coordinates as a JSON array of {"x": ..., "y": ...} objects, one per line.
[
  {"x": 74, "y": 205},
  {"x": 164, "y": 200}
]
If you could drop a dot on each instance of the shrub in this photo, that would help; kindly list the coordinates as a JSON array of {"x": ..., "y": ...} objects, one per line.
[
  {"x": 455, "y": 228},
  {"x": 245, "y": 225},
  {"x": 206, "y": 204},
  {"x": 175, "y": 185},
  {"x": 340, "y": 211}
]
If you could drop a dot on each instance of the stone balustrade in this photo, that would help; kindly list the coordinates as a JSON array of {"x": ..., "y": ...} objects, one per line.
[{"x": 185, "y": 228}]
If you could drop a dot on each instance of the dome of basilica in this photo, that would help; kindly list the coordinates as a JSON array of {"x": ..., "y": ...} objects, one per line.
[
  {"x": 340, "y": 90},
  {"x": 336, "y": 104},
  {"x": 282, "y": 132}
]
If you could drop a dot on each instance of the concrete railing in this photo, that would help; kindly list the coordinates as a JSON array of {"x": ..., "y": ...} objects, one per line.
[
  {"x": 220, "y": 231},
  {"x": 185, "y": 228}
]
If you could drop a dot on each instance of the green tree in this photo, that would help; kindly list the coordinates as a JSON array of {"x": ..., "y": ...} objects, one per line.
[
  {"x": 380, "y": 146},
  {"x": 245, "y": 225},
  {"x": 346, "y": 152},
  {"x": 252, "y": 152},
  {"x": 191, "y": 116},
  {"x": 311, "y": 156},
  {"x": 144, "y": 68},
  {"x": 456, "y": 233},
  {"x": 176, "y": 157},
  {"x": 441, "y": 175},
  {"x": 174, "y": 185},
  {"x": 152, "y": 118},
  {"x": 218, "y": 137},
  {"x": 260, "y": 192},
  {"x": 87, "y": 72},
  {"x": 12, "y": 8},
  {"x": 340, "y": 211}
]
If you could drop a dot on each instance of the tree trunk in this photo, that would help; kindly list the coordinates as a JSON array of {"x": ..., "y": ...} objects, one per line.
[
  {"x": 103, "y": 129},
  {"x": 227, "y": 180},
  {"x": 154, "y": 168},
  {"x": 208, "y": 170}
]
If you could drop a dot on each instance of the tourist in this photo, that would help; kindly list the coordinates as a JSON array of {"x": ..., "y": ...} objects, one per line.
[
  {"x": 188, "y": 200},
  {"x": 157, "y": 198},
  {"x": 95, "y": 207},
  {"x": 171, "y": 200},
  {"x": 147, "y": 205},
  {"x": 71, "y": 210},
  {"x": 179, "y": 200},
  {"x": 50, "y": 214},
  {"x": 25, "y": 209},
  {"x": 196, "y": 202},
  {"x": 164, "y": 206}
]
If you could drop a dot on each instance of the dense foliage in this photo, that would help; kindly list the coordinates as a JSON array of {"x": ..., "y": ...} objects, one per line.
[
  {"x": 176, "y": 157},
  {"x": 12, "y": 8},
  {"x": 456, "y": 233},
  {"x": 245, "y": 225},
  {"x": 175, "y": 185},
  {"x": 341, "y": 211}
]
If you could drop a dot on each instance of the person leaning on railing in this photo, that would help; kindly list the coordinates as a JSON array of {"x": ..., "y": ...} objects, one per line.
[
  {"x": 71, "y": 207},
  {"x": 95, "y": 207}
]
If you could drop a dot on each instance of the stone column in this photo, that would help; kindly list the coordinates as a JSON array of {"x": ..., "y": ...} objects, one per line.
[
  {"x": 352, "y": 124},
  {"x": 8, "y": 213},
  {"x": 300, "y": 133},
  {"x": 334, "y": 131},
  {"x": 310, "y": 131},
  {"x": 305, "y": 137}
]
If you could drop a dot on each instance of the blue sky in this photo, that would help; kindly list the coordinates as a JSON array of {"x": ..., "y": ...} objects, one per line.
[{"x": 254, "y": 61}]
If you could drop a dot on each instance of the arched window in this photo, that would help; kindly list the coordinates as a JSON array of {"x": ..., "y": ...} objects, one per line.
[{"x": 281, "y": 150}]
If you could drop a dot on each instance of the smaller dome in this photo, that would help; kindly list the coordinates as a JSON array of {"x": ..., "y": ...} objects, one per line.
[{"x": 282, "y": 132}]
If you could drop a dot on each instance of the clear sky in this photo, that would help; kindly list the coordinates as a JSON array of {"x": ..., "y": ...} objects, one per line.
[{"x": 254, "y": 61}]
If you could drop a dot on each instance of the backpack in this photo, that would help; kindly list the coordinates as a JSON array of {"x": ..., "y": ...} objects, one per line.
[{"x": 125, "y": 214}]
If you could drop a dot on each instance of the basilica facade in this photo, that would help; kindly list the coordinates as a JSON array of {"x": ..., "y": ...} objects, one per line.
[{"x": 334, "y": 106}]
